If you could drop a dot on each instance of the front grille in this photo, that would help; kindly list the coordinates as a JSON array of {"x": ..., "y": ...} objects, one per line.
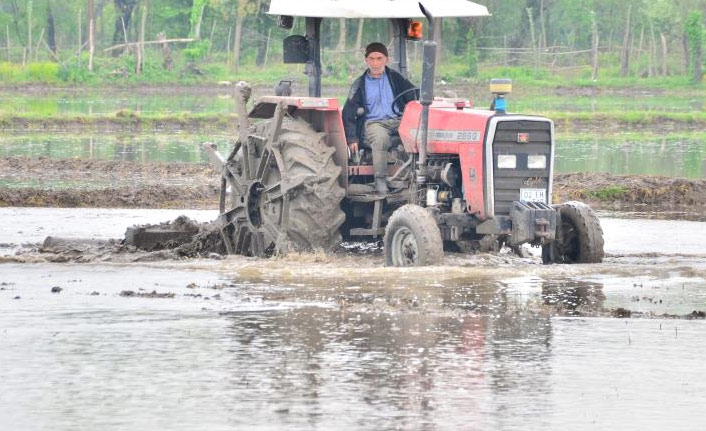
[{"x": 508, "y": 182}]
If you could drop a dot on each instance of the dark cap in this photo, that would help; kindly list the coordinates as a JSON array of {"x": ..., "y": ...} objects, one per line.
[{"x": 376, "y": 47}]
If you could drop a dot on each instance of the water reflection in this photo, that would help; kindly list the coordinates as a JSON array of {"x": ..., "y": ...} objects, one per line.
[
  {"x": 148, "y": 101},
  {"x": 668, "y": 155},
  {"x": 475, "y": 359},
  {"x": 142, "y": 147},
  {"x": 388, "y": 371},
  {"x": 469, "y": 353}
]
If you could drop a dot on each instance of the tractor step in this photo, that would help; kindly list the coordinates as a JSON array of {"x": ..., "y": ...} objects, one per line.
[{"x": 367, "y": 232}]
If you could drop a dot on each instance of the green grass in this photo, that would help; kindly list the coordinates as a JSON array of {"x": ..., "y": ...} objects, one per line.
[
  {"x": 338, "y": 71},
  {"x": 608, "y": 194},
  {"x": 628, "y": 117}
]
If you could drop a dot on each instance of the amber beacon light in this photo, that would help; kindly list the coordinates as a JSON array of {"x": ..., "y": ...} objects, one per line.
[{"x": 415, "y": 31}]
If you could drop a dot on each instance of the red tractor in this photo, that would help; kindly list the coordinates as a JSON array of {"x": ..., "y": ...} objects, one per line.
[{"x": 461, "y": 178}]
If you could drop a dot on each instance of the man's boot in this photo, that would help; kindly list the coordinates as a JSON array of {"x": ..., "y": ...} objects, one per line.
[
  {"x": 380, "y": 165},
  {"x": 381, "y": 185}
]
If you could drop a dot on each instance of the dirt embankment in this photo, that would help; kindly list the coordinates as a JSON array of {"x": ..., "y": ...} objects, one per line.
[
  {"x": 632, "y": 192},
  {"x": 106, "y": 184},
  {"x": 119, "y": 184}
]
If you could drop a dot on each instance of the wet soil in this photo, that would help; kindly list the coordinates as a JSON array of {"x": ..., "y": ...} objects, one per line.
[
  {"x": 106, "y": 184},
  {"x": 656, "y": 194},
  {"x": 120, "y": 184}
]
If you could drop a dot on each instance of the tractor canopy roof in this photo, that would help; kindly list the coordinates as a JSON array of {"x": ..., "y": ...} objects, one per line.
[{"x": 376, "y": 8}]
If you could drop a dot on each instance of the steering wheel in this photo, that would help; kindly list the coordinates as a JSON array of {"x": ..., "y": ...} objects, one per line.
[{"x": 399, "y": 96}]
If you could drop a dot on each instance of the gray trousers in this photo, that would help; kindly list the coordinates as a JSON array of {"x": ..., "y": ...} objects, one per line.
[{"x": 377, "y": 135}]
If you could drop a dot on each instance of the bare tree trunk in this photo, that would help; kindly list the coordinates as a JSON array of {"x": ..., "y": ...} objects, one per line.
[
  {"x": 665, "y": 69},
  {"x": 506, "y": 57},
  {"x": 139, "y": 67},
  {"x": 341, "y": 46},
  {"x": 210, "y": 39},
  {"x": 29, "y": 26},
  {"x": 653, "y": 52},
  {"x": 594, "y": 50},
  {"x": 91, "y": 30},
  {"x": 267, "y": 48},
  {"x": 625, "y": 53},
  {"x": 51, "y": 34},
  {"x": 197, "y": 29},
  {"x": 610, "y": 40},
  {"x": 238, "y": 38},
  {"x": 359, "y": 34},
  {"x": 533, "y": 40},
  {"x": 124, "y": 8},
  {"x": 9, "y": 47},
  {"x": 39, "y": 43},
  {"x": 166, "y": 52},
  {"x": 650, "y": 59},
  {"x": 542, "y": 24},
  {"x": 685, "y": 45},
  {"x": 80, "y": 39},
  {"x": 230, "y": 30}
]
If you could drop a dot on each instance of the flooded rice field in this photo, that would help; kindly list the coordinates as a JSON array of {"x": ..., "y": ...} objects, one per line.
[
  {"x": 489, "y": 341},
  {"x": 142, "y": 148},
  {"x": 52, "y": 102},
  {"x": 681, "y": 155},
  {"x": 219, "y": 99},
  {"x": 115, "y": 340}
]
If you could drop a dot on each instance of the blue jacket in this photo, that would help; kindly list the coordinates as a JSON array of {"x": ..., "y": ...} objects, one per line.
[{"x": 352, "y": 123}]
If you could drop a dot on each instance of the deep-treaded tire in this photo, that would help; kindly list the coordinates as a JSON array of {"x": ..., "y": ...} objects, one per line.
[
  {"x": 412, "y": 238},
  {"x": 282, "y": 197},
  {"x": 579, "y": 236}
]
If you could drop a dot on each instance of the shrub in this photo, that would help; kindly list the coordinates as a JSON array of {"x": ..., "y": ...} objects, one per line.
[
  {"x": 10, "y": 72},
  {"x": 46, "y": 72},
  {"x": 196, "y": 50}
]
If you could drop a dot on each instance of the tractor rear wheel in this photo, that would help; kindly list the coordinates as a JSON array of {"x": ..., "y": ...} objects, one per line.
[
  {"x": 579, "y": 236},
  {"x": 281, "y": 194},
  {"x": 412, "y": 238}
]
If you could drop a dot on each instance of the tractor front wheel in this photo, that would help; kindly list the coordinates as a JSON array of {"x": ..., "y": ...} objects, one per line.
[
  {"x": 412, "y": 238},
  {"x": 579, "y": 236}
]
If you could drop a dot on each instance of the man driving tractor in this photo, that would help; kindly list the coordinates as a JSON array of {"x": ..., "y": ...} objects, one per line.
[{"x": 369, "y": 118}]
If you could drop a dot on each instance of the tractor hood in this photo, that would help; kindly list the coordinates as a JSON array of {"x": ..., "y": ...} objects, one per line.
[{"x": 376, "y": 8}]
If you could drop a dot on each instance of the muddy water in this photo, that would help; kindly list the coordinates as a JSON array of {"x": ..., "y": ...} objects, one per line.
[
  {"x": 339, "y": 342},
  {"x": 672, "y": 155},
  {"x": 659, "y": 152},
  {"x": 669, "y": 155},
  {"x": 142, "y": 148}
]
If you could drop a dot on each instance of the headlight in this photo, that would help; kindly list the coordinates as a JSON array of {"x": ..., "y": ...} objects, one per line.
[
  {"x": 537, "y": 162},
  {"x": 507, "y": 161}
]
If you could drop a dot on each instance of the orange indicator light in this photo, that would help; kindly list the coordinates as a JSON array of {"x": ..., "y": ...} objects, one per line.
[{"x": 415, "y": 30}]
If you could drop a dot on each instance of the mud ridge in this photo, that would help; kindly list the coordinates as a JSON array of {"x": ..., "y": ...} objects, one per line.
[{"x": 44, "y": 182}]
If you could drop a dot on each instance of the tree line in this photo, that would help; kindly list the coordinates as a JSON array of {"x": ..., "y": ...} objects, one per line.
[{"x": 642, "y": 37}]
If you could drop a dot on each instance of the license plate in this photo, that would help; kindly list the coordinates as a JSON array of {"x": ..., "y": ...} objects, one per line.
[{"x": 533, "y": 195}]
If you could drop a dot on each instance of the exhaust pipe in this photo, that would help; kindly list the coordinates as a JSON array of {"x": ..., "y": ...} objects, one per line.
[{"x": 426, "y": 98}]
